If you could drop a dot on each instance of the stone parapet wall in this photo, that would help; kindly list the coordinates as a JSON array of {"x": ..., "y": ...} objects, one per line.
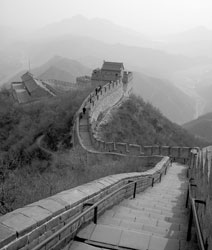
[
  {"x": 201, "y": 173},
  {"x": 108, "y": 97},
  {"x": 29, "y": 226}
]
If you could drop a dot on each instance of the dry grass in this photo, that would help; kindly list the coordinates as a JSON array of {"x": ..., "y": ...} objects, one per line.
[{"x": 27, "y": 185}]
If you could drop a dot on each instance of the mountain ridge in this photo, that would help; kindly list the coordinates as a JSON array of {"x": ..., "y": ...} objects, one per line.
[
  {"x": 172, "y": 102},
  {"x": 158, "y": 91},
  {"x": 65, "y": 69},
  {"x": 96, "y": 28},
  {"x": 201, "y": 127}
]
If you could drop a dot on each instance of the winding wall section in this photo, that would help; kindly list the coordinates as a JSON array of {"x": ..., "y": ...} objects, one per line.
[
  {"x": 49, "y": 220},
  {"x": 96, "y": 105}
]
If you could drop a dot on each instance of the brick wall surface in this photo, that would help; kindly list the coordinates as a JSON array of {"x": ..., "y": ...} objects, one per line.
[{"x": 200, "y": 171}]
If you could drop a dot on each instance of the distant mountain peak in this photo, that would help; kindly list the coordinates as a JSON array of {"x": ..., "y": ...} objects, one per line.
[
  {"x": 198, "y": 33},
  {"x": 198, "y": 30},
  {"x": 78, "y": 17},
  {"x": 95, "y": 28},
  {"x": 201, "y": 28}
]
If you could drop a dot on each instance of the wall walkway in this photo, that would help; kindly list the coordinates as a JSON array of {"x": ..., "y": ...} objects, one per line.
[
  {"x": 155, "y": 219},
  {"x": 51, "y": 223}
]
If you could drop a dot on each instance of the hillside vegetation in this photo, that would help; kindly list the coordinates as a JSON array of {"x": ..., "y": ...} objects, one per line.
[
  {"x": 22, "y": 162},
  {"x": 139, "y": 122},
  {"x": 21, "y": 125},
  {"x": 28, "y": 173},
  {"x": 201, "y": 127}
]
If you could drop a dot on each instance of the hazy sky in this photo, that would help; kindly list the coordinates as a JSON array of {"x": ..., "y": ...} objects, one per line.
[{"x": 142, "y": 15}]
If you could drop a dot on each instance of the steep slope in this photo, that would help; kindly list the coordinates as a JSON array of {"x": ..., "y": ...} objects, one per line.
[
  {"x": 172, "y": 102},
  {"x": 201, "y": 127},
  {"x": 140, "y": 123}
]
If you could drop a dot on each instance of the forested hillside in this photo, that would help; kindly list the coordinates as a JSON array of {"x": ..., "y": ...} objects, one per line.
[
  {"x": 23, "y": 165},
  {"x": 21, "y": 125},
  {"x": 139, "y": 122}
]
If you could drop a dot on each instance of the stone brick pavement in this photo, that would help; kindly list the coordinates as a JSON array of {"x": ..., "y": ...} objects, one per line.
[{"x": 155, "y": 220}]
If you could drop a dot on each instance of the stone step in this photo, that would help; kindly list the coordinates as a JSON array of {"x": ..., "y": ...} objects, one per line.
[
  {"x": 75, "y": 245},
  {"x": 84, "y": 128},
  {"x": 154, "y": 213},
  {"x": 139, "y": 217},
  {"x": 165, "y": 202},
  {"x": 165, "y": 194},
  {"x": 155, "y": 220},
  {"x": 111, "y": 237},
  {"x": 141, "y": 209},
  {"x": 173, "y": 232},
  {"x": 137, "y": 209},
  {"x": 135, "y": 205},
  {"x": 85, "y": 136},
  {"x": 83, "y": 121},
  {"x": 86, "y": 141},
  {"x": 157, "y": 198},
  {"x": 178, "y": 187},
  {"x": 152, "y": 202},
  {"x": 108, "y": 220}
]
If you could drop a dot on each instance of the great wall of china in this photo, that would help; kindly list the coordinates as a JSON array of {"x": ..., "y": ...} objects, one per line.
[
  {"x": 52, "y": 223},
  {"x": 96, "y": 104}
]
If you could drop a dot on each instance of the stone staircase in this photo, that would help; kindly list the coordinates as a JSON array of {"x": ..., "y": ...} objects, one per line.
[{"x": 155, "y": 220}]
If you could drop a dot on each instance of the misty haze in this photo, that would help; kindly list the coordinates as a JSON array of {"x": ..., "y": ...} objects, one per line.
[{"x": 98, "y": 88}]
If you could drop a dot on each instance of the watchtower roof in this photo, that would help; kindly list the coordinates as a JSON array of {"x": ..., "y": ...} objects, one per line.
[{"x": 114, "y": 66}]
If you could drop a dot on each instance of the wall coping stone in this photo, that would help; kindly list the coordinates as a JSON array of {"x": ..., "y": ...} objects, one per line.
[{"x": 25, "y": 220}]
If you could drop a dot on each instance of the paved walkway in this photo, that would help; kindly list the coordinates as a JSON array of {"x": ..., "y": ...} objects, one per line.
[
  {"x": 84, "y": 125},
  {"x": 84, "y": 132},
  {"x": 155, "y": 220}
]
